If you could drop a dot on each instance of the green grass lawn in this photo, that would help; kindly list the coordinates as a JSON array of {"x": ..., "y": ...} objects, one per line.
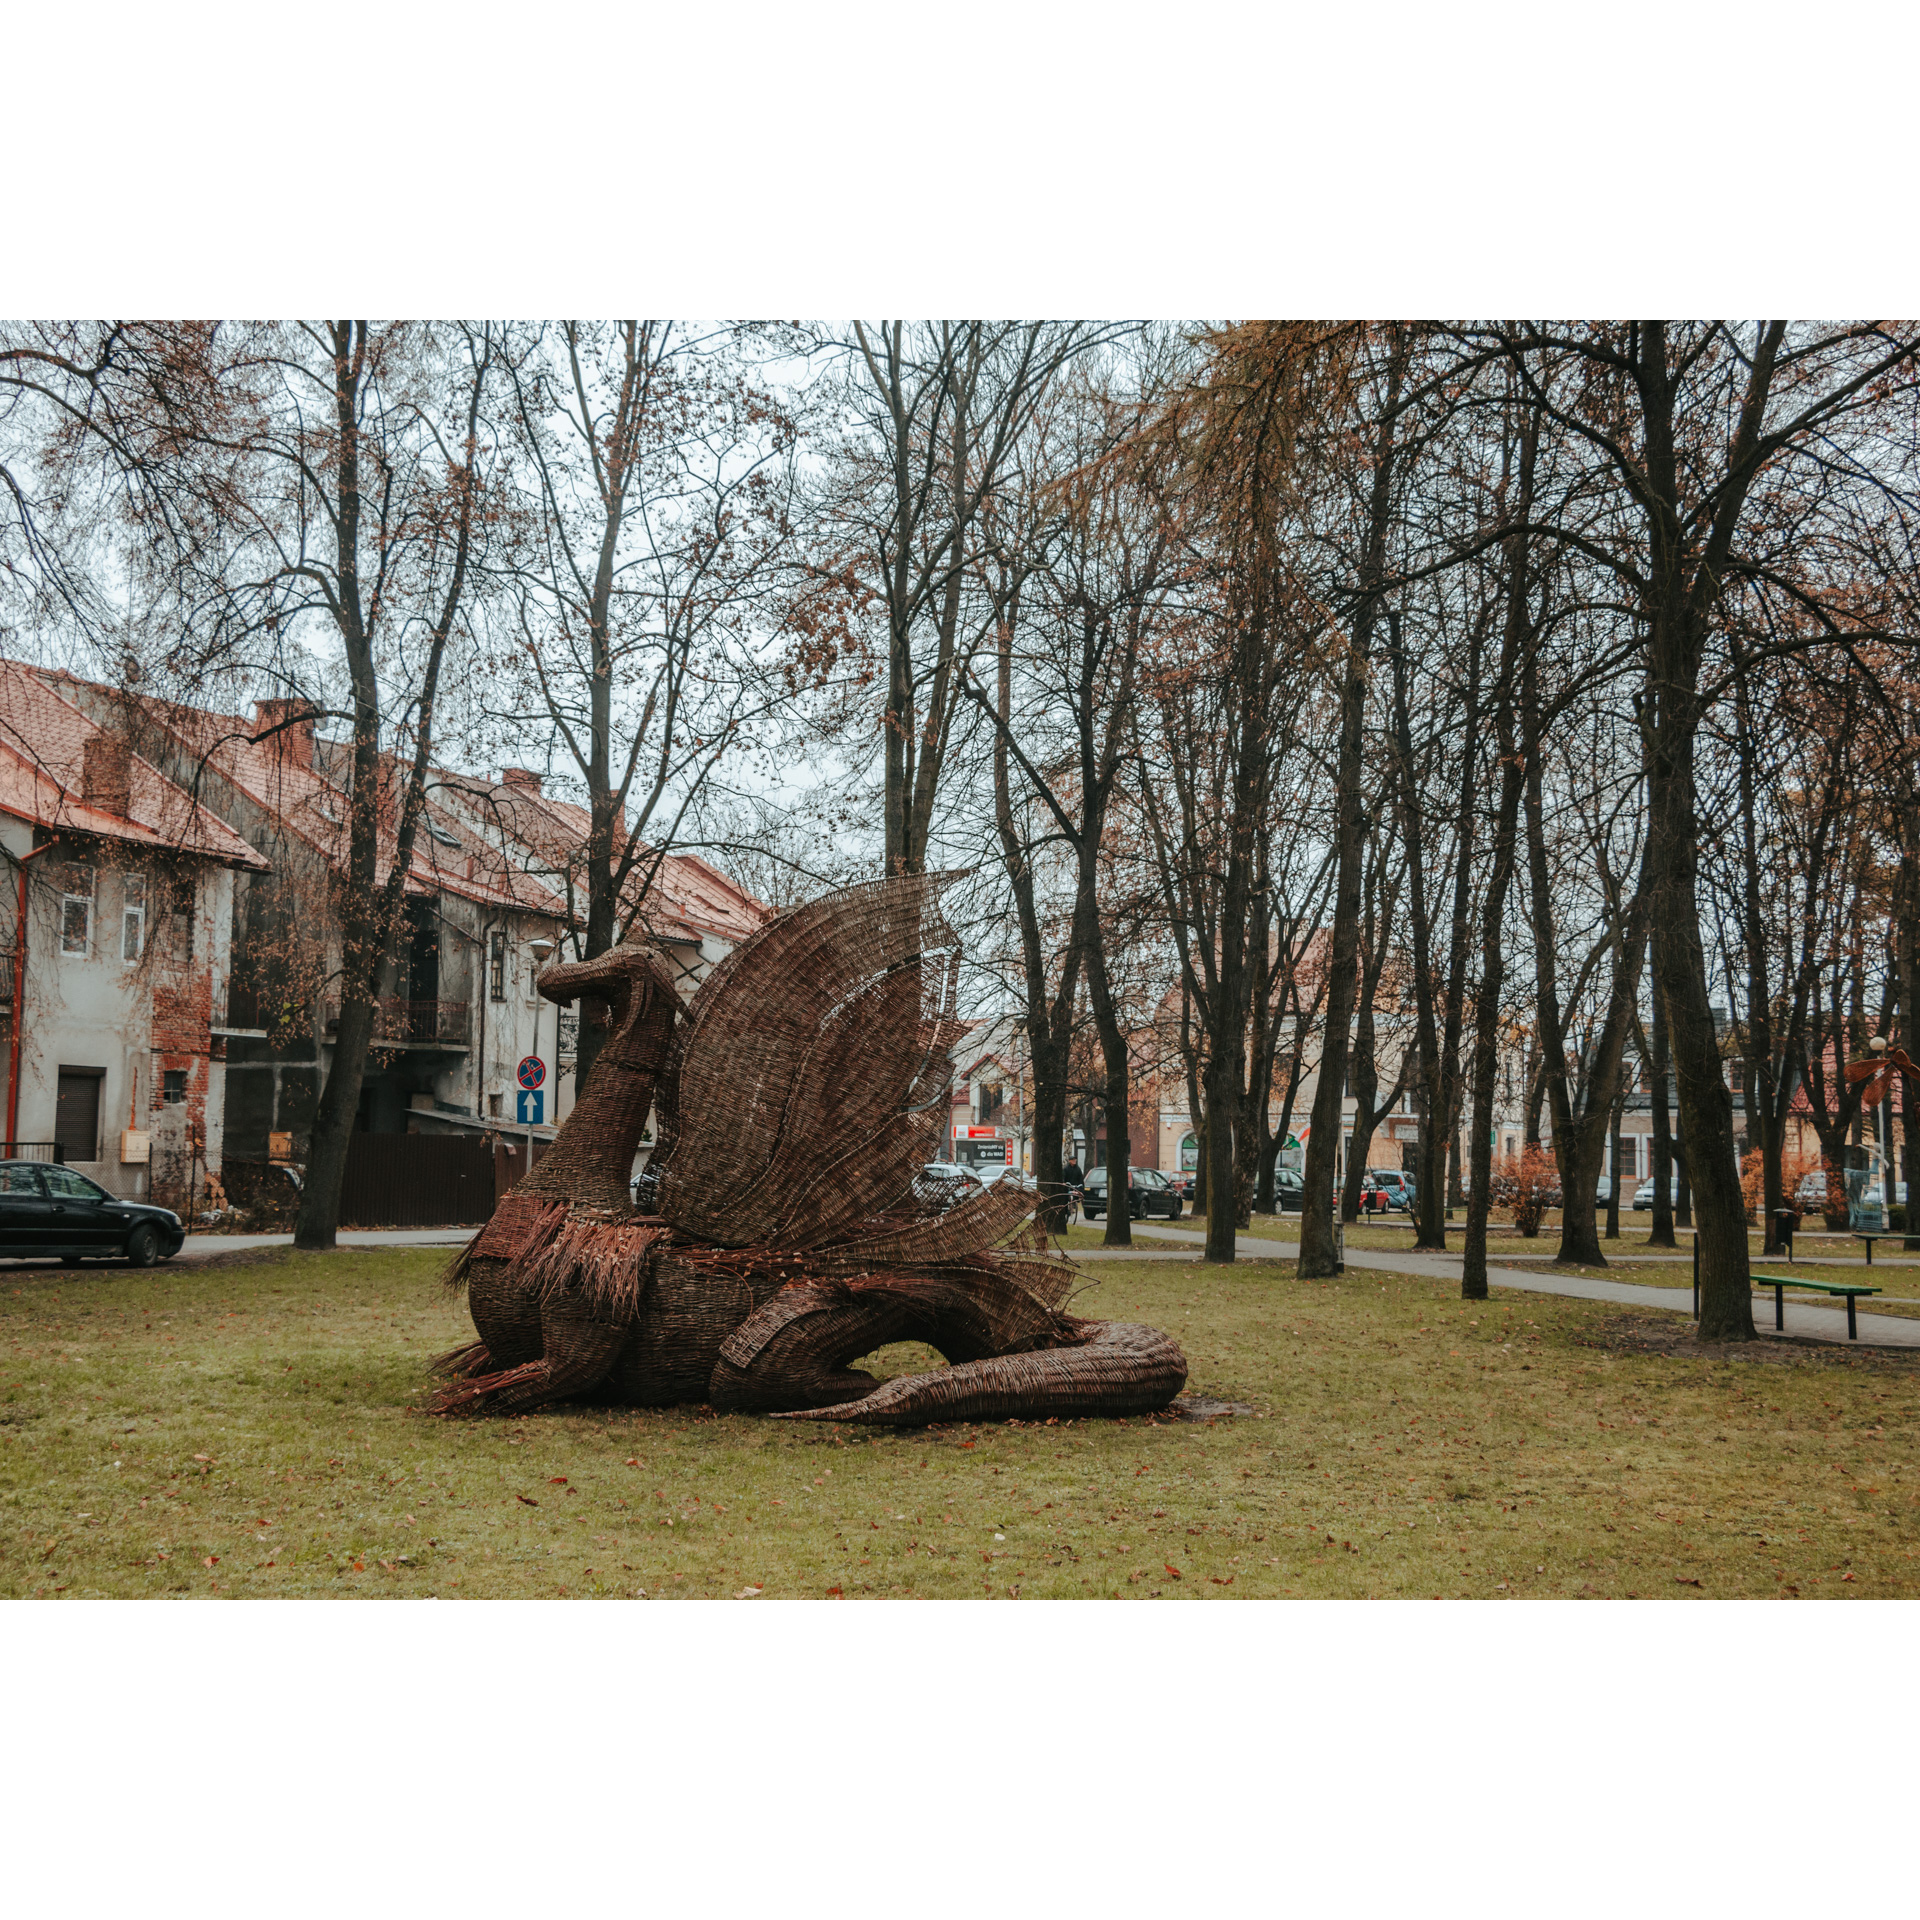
[{"x": 250, "y": 1429}]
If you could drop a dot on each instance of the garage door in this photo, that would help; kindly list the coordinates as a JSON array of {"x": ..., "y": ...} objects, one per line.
[{"x": 76, "y": 1117}]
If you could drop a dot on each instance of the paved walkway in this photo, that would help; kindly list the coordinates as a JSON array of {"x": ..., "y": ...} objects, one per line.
[
  {"x": 202, "y": 1246},
  {"x": 1813, "y": 1323}
]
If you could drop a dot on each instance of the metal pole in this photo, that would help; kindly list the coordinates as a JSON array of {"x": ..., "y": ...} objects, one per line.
[{"x": 19, "y": 1001}]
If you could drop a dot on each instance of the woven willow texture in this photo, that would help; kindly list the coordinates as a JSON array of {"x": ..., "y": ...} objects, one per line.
[{"x": 796, "y": 1104}]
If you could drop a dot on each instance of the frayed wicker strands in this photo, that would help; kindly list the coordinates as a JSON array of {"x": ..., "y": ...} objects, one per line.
[{"x": 601, "y": 1259}]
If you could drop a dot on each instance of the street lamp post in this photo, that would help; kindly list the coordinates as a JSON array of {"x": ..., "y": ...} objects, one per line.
[{"x": 542, "y": 951}]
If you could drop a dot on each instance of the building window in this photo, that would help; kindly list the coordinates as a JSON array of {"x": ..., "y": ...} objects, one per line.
[
  {"x": 76, "y": 910},
  {"x": 180, "y": 904},
  {"x": 496, "y": 966},
  {"x": 493, "y": 1106},
  {"x": 173, "y": 1087},
  {"x": 133, "y": 916}
]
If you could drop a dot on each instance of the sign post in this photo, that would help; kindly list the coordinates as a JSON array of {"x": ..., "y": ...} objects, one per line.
[{"x": 530, "y": 1102}]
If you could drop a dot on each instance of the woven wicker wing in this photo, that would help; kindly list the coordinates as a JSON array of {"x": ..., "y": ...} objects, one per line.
[
  {"x": 977, "y": 1222},
  {"x": 812, "y": 1069}
]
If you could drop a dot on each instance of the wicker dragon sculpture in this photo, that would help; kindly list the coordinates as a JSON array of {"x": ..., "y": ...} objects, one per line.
[{"x": 792, "y": 1227}]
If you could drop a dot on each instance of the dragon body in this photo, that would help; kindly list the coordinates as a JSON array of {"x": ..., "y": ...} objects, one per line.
[{"x": 786, "y": 1225}]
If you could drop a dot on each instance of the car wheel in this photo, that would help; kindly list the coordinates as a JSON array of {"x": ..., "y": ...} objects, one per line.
[
  {"x": 1173, "y": 1208},
  {"x": 143, "y": 1247}
]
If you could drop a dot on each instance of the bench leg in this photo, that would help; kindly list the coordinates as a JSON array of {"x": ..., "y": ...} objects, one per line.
[
  {"x": 1853, "y": 1332},
  {"x": 1780, "y": 1309},
  {"x": 1869, "y": 1258}
]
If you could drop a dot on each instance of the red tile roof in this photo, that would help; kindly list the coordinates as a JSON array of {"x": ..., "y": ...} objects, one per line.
[
  {"x": 275, "y": 774},
  {"x": 688, "y": 897},
  {"x": 43, "y": 746}
]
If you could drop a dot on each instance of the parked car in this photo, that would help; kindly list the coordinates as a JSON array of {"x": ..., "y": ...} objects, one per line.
[
  {"x": 50, "y": 1212},
  {"x": 1148, "y": 1191},
  {"x": 950, "y": 1170},
  {"x": 1186, "y": 1185},
  {"x": 1643, "y": 1195},
  {"x": 1399, "y": 1188},
  {"x": 1289, "y": 1191},
  {"x": 992, "y": 1176},
  {"x": 1603, "y": 1190}
]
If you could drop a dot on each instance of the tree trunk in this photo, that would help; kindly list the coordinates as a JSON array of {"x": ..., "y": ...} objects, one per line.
[
  {"x": 1579, "y": 1134},
  {"x": 1486, "y": 1020},
  {"x": 1516, "y": 642},
  {"x": 1613, "y": 1185},
  {"x": 1317, "y": 1259},
  {"x": 1222, "y": 1124},
  {"x": 1706, "y": 1105},
  {"x": 1659, "y": 1074}
]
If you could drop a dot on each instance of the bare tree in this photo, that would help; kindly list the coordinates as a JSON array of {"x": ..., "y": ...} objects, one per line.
[
  {"x": 654, "y": 531},
  {"x": 937, "y": 410}
]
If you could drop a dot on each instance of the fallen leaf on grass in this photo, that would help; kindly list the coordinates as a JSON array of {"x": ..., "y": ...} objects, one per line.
[
  {"x": 524, "y": 1501},
  {"x": 212, "y": 1560},
  {"x": 1218, "y": 1582},
  {"x": 1681, "y": 1580},
  {"x": 1172, "y": 1569},
  {"x": 749, "y": 1593},
  {"x": 834, "y": 1593},
  {"x": 558, "y": 1480}
]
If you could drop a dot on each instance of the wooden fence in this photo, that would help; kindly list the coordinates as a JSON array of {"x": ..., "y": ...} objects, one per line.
[{"x": 417, "y": 1180}]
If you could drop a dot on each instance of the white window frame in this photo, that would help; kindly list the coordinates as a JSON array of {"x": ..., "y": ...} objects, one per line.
[
  {"x": 70, "y": 898},
  {"x": 133, "y": 917},
  {"x": 183, "y": 901}
]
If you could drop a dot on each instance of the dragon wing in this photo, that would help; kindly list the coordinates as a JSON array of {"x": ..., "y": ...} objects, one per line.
[{"x": 809, "y": 1080}]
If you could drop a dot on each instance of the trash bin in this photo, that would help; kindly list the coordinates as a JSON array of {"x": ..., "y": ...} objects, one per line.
[{"x": 1785, "y": 1220}]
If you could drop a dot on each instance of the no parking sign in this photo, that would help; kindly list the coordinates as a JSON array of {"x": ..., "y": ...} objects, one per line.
[{"x": 530, "y": 1104}]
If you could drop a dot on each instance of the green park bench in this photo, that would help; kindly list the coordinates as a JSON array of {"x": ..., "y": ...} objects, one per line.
[
  {"x": 1880, "y": 1233},
  {"x": 1780, "y": 1282}
]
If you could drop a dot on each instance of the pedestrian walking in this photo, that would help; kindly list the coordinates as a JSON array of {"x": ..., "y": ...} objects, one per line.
[{"x": 1075, "y": 1180}]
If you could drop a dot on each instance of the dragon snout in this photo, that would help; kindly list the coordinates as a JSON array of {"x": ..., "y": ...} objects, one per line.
[{"x": 606, "y": 984}]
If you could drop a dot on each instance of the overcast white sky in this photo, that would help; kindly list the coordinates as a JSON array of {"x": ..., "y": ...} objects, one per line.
[{"x": 1017, "y": 155}]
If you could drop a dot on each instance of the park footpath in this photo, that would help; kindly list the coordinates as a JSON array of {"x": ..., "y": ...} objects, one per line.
[
  {"x": 203, "y": 1246},
  {"x": 1809, "y": 1323}
]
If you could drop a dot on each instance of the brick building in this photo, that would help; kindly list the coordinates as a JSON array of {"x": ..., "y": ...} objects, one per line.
[{"x": 118, "y": 908}]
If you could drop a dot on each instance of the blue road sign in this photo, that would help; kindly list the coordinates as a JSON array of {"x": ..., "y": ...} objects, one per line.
[
  {"x": 532, "y": 1072},
  {"x": 530, "y": 1107}
]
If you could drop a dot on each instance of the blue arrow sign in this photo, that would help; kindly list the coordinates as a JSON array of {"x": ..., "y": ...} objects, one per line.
[{"x": 530, "y": 1107}]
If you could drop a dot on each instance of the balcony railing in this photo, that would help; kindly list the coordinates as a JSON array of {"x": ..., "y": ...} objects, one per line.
[{"x": 422, "y": 1022}]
